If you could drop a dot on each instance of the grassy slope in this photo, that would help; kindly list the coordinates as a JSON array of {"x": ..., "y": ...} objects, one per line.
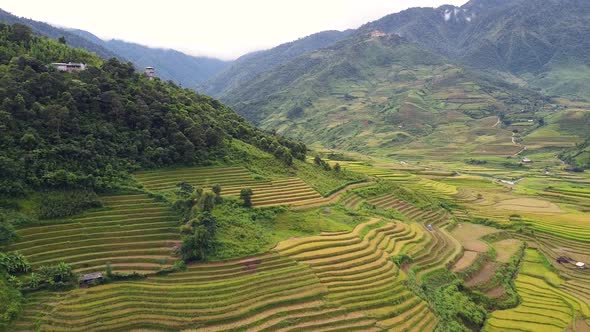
[{"x": 378, "y": 95}]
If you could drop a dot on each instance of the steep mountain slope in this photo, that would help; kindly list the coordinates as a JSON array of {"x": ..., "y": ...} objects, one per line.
[
  {"x": 88, "y": 129},
  {"x": 541, "y": 41},
  {"x": 375, "y": 91},
  {"x": 251, "y": 65},
  {"x": 171, "y": 65}
]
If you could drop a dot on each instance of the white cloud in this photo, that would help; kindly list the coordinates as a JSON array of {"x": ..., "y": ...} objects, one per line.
[{"x": 220, "y": 28}]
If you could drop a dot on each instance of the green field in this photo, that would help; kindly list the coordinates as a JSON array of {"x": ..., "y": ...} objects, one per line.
[{"x": 544, "y": 307}]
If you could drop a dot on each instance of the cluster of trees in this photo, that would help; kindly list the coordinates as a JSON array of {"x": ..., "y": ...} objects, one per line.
[
  {"x": 13, "y": 267},
  {"x": 199, "y": 226},
  {"x": 59, "y": 204},
  {"x": 89, "y": 129},
  {"x": 325, "y": 165},
  {"x": 58, "y": 276},
  {"x": 450, "y": 300}
]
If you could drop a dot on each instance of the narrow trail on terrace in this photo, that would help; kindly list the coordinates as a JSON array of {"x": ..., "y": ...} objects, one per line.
[{"x": 518, "y": 144}]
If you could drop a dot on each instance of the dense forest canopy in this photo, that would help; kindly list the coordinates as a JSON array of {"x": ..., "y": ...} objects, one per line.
[{"x": 88, "y": 129}]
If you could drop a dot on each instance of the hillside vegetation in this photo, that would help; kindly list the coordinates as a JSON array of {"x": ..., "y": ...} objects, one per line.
[
  {"x": 373, "y": 92},
  {"x": 86, "y": 129},
  {"x": 253, "y": 64},
  {"x": 539, "y": 41}
]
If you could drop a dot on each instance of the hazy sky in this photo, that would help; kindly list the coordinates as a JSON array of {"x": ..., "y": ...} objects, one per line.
[{"x": 219, "y": 28}]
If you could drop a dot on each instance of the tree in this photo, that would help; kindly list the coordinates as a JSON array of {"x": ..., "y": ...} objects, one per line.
[
  {"x": 317, "y": 160},
  {"x": 185, "y": 189},
  {"x": 337, "y": 167},
  {"x": 109, "y": 270},
  {"x": 195, "y": 246},
  {"x": 246, "y": 196},
  {"x": 216, "y": 188},
  {"x": 20, "y": 33},
  {"x": 208, "y": 201},
  {"x": 62, "y": 40}
]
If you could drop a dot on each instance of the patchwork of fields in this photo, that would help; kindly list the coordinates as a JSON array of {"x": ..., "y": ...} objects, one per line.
[
  {"x": 341, "y": 281},
  {"x": 544, "y": 307}
]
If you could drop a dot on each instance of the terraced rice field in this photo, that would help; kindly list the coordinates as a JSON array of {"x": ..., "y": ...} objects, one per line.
[
  {"x": 544, "y": 307},
  {"x": 352, "y": 201},
  {"x": 165, "y": 179},
  {"x": 255, "y": 294},
  {"x": 577, "y": 281},
  {"x": 357, "y": 270},
  {"x": 382, "y": 173},
  {"x": 435, "y": 240},
  {"x": 331, "y": 282},
  {"x": 132, "y": 232},
  {"x": 286, "y": 191}
]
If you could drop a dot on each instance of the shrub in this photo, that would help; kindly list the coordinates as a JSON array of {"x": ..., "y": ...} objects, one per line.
[
  {"x": 14, "y": 263},
  {"x": 246, "y": 196},
  {"x": 402, "y": 259},
  {"x": 59, "y": 204},
  {"x": 59, "y": 276},
  {"x": 10, "y": 302}
]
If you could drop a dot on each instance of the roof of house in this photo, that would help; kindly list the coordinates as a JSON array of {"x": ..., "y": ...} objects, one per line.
[
  {"x": 91, "y": 276},
  {"x": 580, "y": 264}
]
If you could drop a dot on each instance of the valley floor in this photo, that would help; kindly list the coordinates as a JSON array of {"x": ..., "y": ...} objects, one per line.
[{"x": 356, "y": 259}]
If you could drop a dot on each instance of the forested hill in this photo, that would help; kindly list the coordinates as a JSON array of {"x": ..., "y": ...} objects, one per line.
[{"x": 88, "y": 129}]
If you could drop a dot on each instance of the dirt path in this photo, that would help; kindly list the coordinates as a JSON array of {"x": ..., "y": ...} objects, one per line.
[
  {"x": 517, "y": 144},
  {"x": 484, "y": 275},
  {"x": 333, "y": 198},
  {"x": 497, "y": 123}
]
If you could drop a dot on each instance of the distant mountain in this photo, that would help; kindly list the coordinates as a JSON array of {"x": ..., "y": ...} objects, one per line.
[
  {"x": 374, "y": 90},
  {"x": 170, "y": 65},
  {"x": 73, "y": 39},
  {"x": 251, "y": 65},
  {"x": 542, "y": 41}
]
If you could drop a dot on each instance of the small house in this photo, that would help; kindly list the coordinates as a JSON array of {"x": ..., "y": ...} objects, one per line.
[
  {"x": 150, "y": 72},
  {"x": 581, "y": 265},
  {"x": 526, "y": 160},
  {"x": 69, "y": 67},
  {"x": 91, "y": 278}
]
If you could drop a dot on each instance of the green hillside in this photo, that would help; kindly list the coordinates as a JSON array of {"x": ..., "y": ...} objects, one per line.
[
  {"x": 87, "y": 129},
  {"x": 377, "y": 93},
  {"x": 540, "y": 41},
  {"x": 253, "y": 64}
]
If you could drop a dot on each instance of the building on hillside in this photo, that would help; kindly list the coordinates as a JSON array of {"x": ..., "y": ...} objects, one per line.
[
  {"x": 526, "y": 160},
  {"x": 581, "y": 265},
  {"x": 69, "y": 67},
  {"x": 377, "y": 33},
  {"x": 150, "y": 72},
  {"x": 91, "y": 279}
]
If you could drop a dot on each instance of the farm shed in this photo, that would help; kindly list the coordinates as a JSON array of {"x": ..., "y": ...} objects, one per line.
[{"x": 90, "y": 278}]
